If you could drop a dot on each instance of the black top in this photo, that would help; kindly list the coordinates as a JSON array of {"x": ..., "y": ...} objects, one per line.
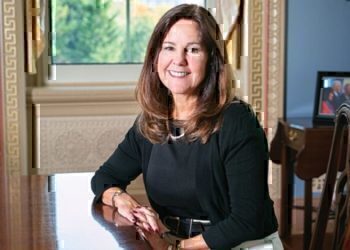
[
  {"x": 230, "y": 177},
  {"x": 171, "y": 178}
]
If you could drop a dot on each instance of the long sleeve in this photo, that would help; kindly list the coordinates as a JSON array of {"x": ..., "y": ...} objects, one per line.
[
  {"x": 123, "y": 166},
  {"x": 244, "y": 155}
]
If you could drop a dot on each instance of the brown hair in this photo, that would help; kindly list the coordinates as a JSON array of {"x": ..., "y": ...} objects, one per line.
[{"x": 213, "y": 92}]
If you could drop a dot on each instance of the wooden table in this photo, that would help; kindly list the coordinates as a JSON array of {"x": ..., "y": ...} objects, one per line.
[
  {"x": 301, "y": 148},
  {"x": 57, "y": 213}
]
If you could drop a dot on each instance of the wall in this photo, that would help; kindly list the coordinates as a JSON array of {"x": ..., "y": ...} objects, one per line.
[{"x": 317, "y": 39}]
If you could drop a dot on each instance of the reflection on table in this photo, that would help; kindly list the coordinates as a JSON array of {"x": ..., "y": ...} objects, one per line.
[{"x": 57, "y": 213}]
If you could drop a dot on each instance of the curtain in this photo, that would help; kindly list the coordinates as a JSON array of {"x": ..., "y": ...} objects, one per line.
[
  {"x": 229, "y": 15},
  {"x": 34, "y": 35}
]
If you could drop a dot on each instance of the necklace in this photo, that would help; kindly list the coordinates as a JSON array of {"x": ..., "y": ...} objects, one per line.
[
  {"x": 176, "y": 137},
  {"x": 177, "y": 133}
]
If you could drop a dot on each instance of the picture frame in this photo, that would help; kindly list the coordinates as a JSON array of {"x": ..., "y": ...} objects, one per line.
[{"x": 332, "y": 89}]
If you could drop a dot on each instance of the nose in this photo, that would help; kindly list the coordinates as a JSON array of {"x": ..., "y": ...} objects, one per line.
[{"x": 179, "y": 58}]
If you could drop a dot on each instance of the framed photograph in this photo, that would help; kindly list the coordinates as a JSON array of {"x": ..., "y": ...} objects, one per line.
[{"x": 332, "y": 89}]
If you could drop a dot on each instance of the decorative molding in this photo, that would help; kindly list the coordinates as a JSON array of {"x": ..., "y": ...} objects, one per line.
[
  {"x": 275, "y": 79},
  {"x": 11, "y": 88},
  {"x": 11, "y": 118},
  {"x": 80, "y": 94},
  {"x": 276, "y": 62},
  {"x": 256, "y": 49},
  {"x": 4, "y": 212},
  {"x": 77, "y": 144},
  {"x": 266, "y": 69}
]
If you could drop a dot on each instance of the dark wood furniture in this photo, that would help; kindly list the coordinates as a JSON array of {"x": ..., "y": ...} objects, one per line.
[
  {"x": 346, "y": 245},
  {"x": 301, "y": 148},
  {"x": 57, "y": 213},
  {"x": 338, "y": 159}
]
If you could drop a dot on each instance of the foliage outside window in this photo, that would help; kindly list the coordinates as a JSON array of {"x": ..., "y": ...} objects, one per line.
[{"x": 104, "y": 31}]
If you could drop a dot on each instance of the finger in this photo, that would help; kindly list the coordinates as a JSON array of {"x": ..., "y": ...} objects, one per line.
[
  {"x": 147, "y": 227},
  {"x": 144, "y": 226},
  {"x": 127, "y": 214},
  {"x": 150, "y": 216},
  {"x": 147, "y": 210},
  {"x": 131, "y": 218},
  {"x": 120, "y": 220},
  {"x": 152, "y": 221},
  {"x": 140, "y": 216}
]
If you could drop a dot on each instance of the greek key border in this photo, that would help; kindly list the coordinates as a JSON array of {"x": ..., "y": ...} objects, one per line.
[
  {"x": 11, "y": 117},
  {"x": 11, "y": 88},
  {"x": 256, "y": 29},
  {"x": 274, "y": 69}
]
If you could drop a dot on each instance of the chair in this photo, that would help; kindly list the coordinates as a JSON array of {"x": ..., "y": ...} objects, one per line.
[
  {"x": 346, "y": 244},
  {"x": 338, "y": 159}
]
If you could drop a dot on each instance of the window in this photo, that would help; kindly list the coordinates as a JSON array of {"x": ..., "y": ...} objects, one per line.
[{"x": 96, "y": 40}]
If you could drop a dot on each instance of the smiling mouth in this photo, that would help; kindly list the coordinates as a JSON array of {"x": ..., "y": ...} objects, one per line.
[{"x": 178, "y": 73}]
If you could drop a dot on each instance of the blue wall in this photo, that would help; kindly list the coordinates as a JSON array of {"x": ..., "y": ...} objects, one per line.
[{"x": 318, "y": 38}]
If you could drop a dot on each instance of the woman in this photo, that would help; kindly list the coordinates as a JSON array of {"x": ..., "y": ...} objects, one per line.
[
  {"x": 203, "y": 157},
  {"x": 327, "y": 106}
]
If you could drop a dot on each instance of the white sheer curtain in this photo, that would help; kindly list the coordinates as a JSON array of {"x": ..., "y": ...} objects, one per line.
[{"x": 227, "y": 13}]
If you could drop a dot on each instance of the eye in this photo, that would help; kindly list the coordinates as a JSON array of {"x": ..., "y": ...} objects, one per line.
[
  {"x": 168, "y": 48},
  {"x": 193, "y": 50}
]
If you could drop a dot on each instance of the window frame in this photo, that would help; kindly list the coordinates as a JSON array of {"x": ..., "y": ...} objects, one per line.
[{"x": 91, "y": 74}]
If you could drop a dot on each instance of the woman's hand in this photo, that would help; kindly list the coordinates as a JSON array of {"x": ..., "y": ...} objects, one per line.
[
  {"x": 123, "y": 202},
  {"x": 112, "y": 216},
  {"x": 148, "y": 219}
]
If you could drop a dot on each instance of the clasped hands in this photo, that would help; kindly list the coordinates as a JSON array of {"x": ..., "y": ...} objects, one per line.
[{"x": 146, "y": 220}]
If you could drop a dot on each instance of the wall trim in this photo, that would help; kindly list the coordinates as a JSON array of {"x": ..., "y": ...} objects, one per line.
[
  {"x": 70, "y": 94},
  {"x": 15, "y": 129},
  {"x": 266, "y": 69},
  {"x": 255, "y": 38},
  {"x": 276, "y": 68},
  {"x": 4, "y": 212}
]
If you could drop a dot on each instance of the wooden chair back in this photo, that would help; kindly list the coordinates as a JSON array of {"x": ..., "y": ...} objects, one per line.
[{"x": 338, "y": 159}]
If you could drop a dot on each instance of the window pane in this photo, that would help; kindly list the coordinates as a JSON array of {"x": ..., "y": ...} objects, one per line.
[{"x": 104, "y": 31}]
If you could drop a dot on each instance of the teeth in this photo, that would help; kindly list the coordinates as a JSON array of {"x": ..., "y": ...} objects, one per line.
[{"x": 178, "y": 73}]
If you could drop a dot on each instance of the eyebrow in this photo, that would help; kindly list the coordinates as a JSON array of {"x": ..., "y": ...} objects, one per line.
[{"x": 191, "y": 43}]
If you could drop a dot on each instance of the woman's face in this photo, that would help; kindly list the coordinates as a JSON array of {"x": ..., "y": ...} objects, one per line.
[
  {"x": 330, "y": 96},
  {"x": 182, "y": 59}
]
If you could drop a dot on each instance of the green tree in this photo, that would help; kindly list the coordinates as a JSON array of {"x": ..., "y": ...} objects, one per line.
[
  {"x": 140, "y": 31},
  {"x": 85, "y": 31},
  {"x": 95, "y": 31}
]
